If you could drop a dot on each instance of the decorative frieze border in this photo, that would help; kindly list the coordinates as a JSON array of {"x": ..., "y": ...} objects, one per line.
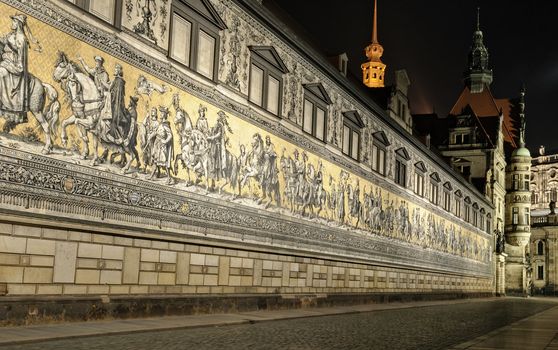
[{"x": 38, "y": 184}]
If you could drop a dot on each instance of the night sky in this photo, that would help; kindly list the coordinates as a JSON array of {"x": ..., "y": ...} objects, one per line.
[{"x": 432, "y": 38}]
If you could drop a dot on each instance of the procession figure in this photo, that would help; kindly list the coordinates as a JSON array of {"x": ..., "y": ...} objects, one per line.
[
  {"x": 149, "y": 127},
  {"x": 14, "y": 74},
  {"x": 270, "y": 178},
  {"x": 120, "y": 120},
  {"x": 182, "y": 120},
  {"x": 131, "y": 139},
  {"x": 98, "y": 73},
  {"x": 163, "y": 150},
  {"x": 218, "y": 140},
  {"x": 299, "y": 173},
  {"x": 202, "y": 124},
  {"x": 20, "y": 91}
]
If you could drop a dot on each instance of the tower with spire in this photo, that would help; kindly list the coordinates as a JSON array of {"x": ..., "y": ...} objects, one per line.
[
  {"x": 478, "y": 74},
  {"x": 373, "y": 71},
  {"x": 518, "y": 205}
]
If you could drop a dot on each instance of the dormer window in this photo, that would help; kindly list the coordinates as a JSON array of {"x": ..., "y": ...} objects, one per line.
[
  {"x": 434, "y": 188},
  {"x": 194, "y": 39},
  {"x": 420, "y": 170},
  {"x": 379, "y": 145},
  {"x": 401, "y": 158},
  {"x": 475, "y": 215},
  {"x": 352, "y": 126},
  {"x": 462, "y": 139},
  {"x": 467, "y": 216},
  {"x": 457, "y": 207},
  {"x": 266, "y": 78},
  {"x": 447, "y": 196},
  {"x": 314, "y": 121}
]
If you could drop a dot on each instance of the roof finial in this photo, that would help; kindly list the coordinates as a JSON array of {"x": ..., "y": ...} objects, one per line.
[
  {"x": 478, "y": 18},
  {"x": 522, "y": 116},
  {"x": 374, "y": 26}
]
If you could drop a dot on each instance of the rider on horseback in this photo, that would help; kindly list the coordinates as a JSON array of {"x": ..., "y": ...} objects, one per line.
[{"x": 14, "y": 75}]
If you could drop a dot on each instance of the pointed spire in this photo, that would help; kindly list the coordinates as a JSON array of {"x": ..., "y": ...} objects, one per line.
[
  {"x": 373, "y": 70},
  {"x": 375, "y": 24},
  {"x": 478, "y": 19},
  {"x": 478, "y": 74},
  {"x": 522, "y": 116}
]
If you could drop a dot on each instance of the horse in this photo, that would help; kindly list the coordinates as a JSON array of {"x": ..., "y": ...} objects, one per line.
[
  {"x": 86, "y": 105},
  {"x": 46, "y": 115}
]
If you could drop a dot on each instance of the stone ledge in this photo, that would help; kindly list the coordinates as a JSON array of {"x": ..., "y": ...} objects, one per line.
[{"x": 18, "y": 311}]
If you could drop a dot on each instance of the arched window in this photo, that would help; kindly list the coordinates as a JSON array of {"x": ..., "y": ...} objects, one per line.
[{"x": 540, "y": 248}]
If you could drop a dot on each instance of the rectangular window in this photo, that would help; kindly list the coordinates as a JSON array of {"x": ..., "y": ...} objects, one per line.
[
  {"x": 346, "y": 139},
  {"x": 447, "y": 201},
  {"x": 526, "y": 182},
  {"x": 104, "y": 9},
  {"x": 320, "y": 124},
  {"x": 273, "y": 95},
  {"x": 400, "y": 172},
  {"x": 434, "y": 193},
  {"x": 458, "y": 212},
  {"x": 467, "y": 213},
  {"x": 515, "y": 216},
  {"x": 206, "y": 54},
  {"x": 488, "y": 225},
  {"x": 526, "y": 217},
  {"x": 419, "y": 184},
  {"x": 355, "y": 146},
  {"x": 256, "y": 84},
  {"x": 181, "y": 36},
  {"x": 515, "y": 182},
  {"x": 475, "y": 218},
  {"x": 540, "y": 272},
  {"x": 381, "y": 161},
  {"x": 308, "y": 111}
]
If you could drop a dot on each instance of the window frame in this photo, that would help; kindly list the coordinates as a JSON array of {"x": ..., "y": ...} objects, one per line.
[
  {"x": 540, "y": 247},
  {"x": 420, "y": 173},
  {"x": 353, "y": 122},
  {"x": 457, "y": 200},
  {"x": 311, "y": 95},
  {"x": 269, "y": 69},
  {"x": 380, "y": 145},
  {"x": 400, "y": 173},
  {"x": 434, "y": 187},
  {"x": 198, "y": 23},
  {"x": 540, "y": 272},
  {"x": 515, "y": 215},
  {"x": 117, "y": 13}
]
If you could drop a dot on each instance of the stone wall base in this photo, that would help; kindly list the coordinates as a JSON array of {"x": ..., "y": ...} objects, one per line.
[{"x": 17, "y": 311}]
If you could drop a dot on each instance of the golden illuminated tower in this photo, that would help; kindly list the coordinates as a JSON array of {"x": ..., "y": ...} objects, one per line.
[{"x": 373, "y": 70}]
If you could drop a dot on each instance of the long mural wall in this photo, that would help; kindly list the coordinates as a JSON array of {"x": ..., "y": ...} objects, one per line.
[{"x": 112, "y": 143}]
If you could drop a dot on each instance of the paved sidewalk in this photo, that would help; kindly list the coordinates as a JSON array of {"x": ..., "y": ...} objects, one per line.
[
  {"x": 539, "y": 331},
  {"x": 36, "y": 333}
]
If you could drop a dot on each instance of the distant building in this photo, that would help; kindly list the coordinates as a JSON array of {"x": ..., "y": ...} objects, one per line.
[{"x": 480, "y": 138}]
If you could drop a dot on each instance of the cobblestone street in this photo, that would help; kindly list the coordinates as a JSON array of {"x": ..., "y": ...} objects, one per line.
[{"x": 431, "y": 327}]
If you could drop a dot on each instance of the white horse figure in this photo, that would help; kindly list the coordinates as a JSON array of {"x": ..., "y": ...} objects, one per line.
[
  {"x": 46, "y": 115},
  {"x": 86, "y": 105}
]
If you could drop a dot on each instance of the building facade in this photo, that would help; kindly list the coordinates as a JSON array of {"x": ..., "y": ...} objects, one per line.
[
  {"x": 195, "y": 148},
  {"x": 483, "y": 138}
]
